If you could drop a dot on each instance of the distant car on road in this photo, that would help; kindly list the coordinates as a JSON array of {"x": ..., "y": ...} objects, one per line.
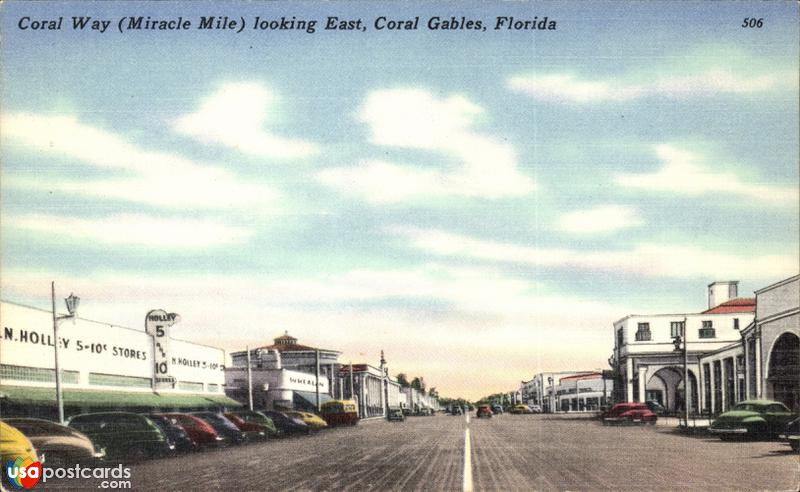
[
  {"x": 396, "y": 415},
  {"x": 497, "y": 409},
  {"x": 484, "y": 411},
  {"x": 630, "y": 413},
  {"x": 456, "y": 410},
  {"x": 520, "y": 409},
  {"x": 656, "y": 407},
  {"x": 535, "y": 409},
  {"x": 792, "y": 434},
  {"x": 754, "y": 419},
  {"x": 311, "y": 420}
]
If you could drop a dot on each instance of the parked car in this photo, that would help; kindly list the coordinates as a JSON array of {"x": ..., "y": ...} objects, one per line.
[
  {"x": 198, "y": 430},
  {"x": 497, "y": 409},
  {"x": 287, "y": 425},
  {"x": 224, "y": 428},
  {"x": 754, "y": 419},
  {"x": 456, "y": 410},
  {"x": 175, "y": 433},
  {"x": 630, "y": 413},
  {"x": 656, "y": 407},
  {"x": 520, "y": 409},
  {"x": 341, "y": 412},
  {"x": 14, "y": 444},
  {"x": 792, "y": 434},
  {"x": 124, "y": 436},
  {"x": 484, "y": 411},
  {"x": 395, "y": 415},
  {"x": 57, "y": 445},
  {"x": 253, "y": 422},
  {"x": 314, "y": 422},
  {"x": 535, "y": 408}
]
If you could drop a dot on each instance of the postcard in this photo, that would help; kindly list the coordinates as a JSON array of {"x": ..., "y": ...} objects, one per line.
[{"x": 422, "y": 245}]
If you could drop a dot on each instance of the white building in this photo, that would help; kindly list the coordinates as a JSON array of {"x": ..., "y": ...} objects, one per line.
[
  {"x": 542, "y": 389},
  {"x": 277, "y": 388},
  {"x": 583, "y": 392},
  {"x": 646, "y": 363},
  {"x": 771, "y": 345},
  {"x": 103, "y": 366}
]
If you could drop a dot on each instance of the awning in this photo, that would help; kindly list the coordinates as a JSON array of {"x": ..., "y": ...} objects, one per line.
[
  {"x": 24, "y": 395},
  {"x": 310, "y": 397},
  {"x": 222, "y": 400}
]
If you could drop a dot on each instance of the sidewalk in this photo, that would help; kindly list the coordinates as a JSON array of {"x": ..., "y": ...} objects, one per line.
[{"x": 697, "y": 425}]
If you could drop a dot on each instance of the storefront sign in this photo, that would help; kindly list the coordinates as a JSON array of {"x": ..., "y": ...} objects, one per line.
[
  {"x": 26, "y": 340},
  {"x": 157, "y": 324}
]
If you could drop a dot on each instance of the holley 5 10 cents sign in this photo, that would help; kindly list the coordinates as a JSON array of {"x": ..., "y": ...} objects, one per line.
[{"x": 157, "y": 324}]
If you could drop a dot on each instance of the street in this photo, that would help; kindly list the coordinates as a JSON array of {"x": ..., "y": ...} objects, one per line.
[{"x": 508, "y": 452}]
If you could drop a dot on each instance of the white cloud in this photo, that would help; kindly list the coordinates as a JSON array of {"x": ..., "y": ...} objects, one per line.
[
  {"x": 605, "y": 218},
  {"x": 567, "y": 88},
  {"x": 235, "y": 116},
  {"x": 495, "y": 317},
  {"x": 651, "y": 260},
  {"x": 683, "y": 173},
  {"x": 134, "y": 230},
  {"x": 155, "y": 178},
  {"x": 474, "y": 164}
]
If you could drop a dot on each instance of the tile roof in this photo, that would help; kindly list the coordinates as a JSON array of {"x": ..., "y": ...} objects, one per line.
[{"x": 738, "y": 305}]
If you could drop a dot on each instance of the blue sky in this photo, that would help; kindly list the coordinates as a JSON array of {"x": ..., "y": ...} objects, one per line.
[{"x": 473, "y": 203}]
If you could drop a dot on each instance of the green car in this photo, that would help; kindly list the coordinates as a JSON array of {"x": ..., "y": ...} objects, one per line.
[
  {"x": 753, "y": 418},
  {"x": 123, "y": 436}
]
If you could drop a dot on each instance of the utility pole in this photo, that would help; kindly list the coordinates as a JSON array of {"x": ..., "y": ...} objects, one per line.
[
  {"x": 686, "y": 385},
  {"x": 316, "y": 372},
  {"x": 249, "y": 381}
]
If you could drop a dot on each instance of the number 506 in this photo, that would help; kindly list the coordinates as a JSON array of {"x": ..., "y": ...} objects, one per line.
[{"x": 753, "y": 22}]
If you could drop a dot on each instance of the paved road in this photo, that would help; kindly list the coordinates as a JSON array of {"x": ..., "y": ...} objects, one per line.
[{"x": 508, "y": 452}]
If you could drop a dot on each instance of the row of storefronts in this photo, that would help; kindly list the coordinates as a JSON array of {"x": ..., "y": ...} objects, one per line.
[
  {"x": 104, "y": 367},
  {"x": 287, "y": 374},
  {"x": 567, "y": 391}
]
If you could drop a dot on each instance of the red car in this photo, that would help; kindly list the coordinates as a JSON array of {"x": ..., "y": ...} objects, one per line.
[
  {"x": 484, "y": 411},
  {"x": 197, "y": 429},
  {"x": 629, "y": 413}
]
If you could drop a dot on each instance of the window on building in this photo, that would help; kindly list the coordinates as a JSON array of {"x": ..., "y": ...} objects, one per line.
[
  {"x": 643, "y": 332},
  {"x": 36, "y": 374},
  {"x": 190, "y": 386},
  {"x": 620, "y": 338},
  {"x": 735, "y": 323},
  {"x": 117, "y": 380},
  {"x": 707, "y": 331},
  {"x": 213, "y": 388},
  {"x": 675, "y": 329}
]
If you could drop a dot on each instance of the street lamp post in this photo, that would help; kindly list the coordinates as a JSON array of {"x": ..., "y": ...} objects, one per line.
[
  {"x": 72, "y": 307},
  {"x": 681, "y": 343}
]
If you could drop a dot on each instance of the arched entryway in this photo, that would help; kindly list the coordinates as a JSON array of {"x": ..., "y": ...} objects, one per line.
[
  {"x": 783, "y": 376},
  {"x": 666, "y": 386}
]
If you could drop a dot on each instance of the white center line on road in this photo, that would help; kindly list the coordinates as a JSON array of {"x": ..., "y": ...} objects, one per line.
[{"x": 467, "y": 485}]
